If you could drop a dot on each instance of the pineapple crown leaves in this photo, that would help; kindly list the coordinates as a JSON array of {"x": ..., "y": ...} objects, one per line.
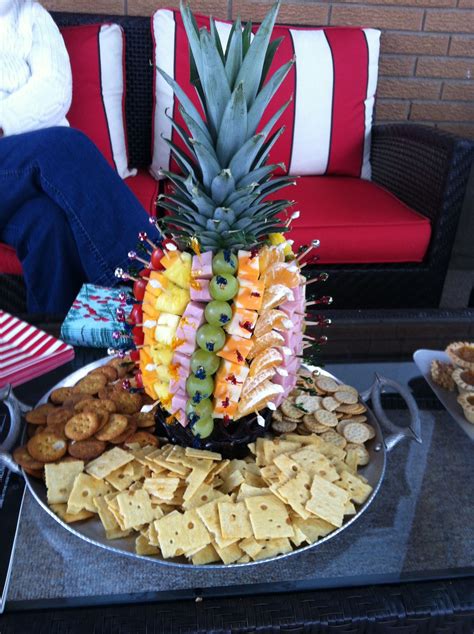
[{"x": 224, "y": 164}]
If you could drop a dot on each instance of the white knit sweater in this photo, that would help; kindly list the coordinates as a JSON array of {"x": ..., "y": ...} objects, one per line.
[{"x": 35, "y": 72}]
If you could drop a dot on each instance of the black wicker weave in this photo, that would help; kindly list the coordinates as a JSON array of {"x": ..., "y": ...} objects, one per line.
[
  {"x": 436, "y": 607},
  {"x": 424, "y": 167}
]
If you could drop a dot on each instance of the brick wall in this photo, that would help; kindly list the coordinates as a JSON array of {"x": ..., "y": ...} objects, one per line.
[{"x": 427, "y": 51}]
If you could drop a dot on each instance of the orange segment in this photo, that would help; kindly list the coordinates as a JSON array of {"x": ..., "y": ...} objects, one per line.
[
  {"x": 269, "y": 358},
  {"x": 285, "y": 273},
  {"x": 236, "y": 349},
  {"x": 270, "y": 255}
]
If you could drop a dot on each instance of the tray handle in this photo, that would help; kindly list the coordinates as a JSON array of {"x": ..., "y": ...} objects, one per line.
[
  {"x": 15, "y": 409},
  {"x": 396, "y": 433}
]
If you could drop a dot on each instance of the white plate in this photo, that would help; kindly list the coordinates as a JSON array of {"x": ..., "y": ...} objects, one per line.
[{"x": 423, "y": 359}]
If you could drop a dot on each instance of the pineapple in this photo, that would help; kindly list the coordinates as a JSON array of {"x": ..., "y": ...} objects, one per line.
[
  {"x": 221, "y": 194},
  {"x": 243, "y": 278},
  {"x": 179, "y": 270}
]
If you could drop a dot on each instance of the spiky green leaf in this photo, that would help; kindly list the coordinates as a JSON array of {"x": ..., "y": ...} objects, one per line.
[
  {"x": 209, "y": 166},
  {"x": 214, "y": 83},
  {"x": 233, "y": 127},
  {"x": 265, "y": 95},
  {"x": 252, "y": 65},
  {"x": 222, "y": 185},
  {"x": 233, "y": 53},
  {"x": 241, "y": 162},
  {"x": 270, "y": 54}
]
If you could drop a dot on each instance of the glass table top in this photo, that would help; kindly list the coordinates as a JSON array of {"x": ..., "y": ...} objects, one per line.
[{"x": 419, "y": 526}]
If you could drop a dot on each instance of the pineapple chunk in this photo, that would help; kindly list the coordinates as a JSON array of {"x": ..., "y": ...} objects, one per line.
[
  {"x": 163, "y": 373},
  {"x": 161, "y": 355},
  {"x": 179, "y": 271},
  {"x": 165, "y": 330},
  {"x": 174, "y": 300},
  {"x": 279, "y": 238},
  {"x": 162, "y": 390}
]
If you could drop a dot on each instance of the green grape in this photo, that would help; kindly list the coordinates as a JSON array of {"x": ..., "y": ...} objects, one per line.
[
  {"x": 218, "y": 313},
  {"x": 204, "y": 363},
  {"x": 224, "y": 262},
  {"x": 223, "y": 287},
  {"x": 196, "y": 411},
  {"x": 199, "y": 389},
  {"x": 210, "y": 338},
  {"x": 203, "y": 427}
]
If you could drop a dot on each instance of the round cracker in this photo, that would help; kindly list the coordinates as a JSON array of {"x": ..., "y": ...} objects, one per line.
[
  {"x": 303, "y": 431},
  {"x": 39, "y": 415},
  {"x": 341, "y": 424},
  {"x": 361, "y": 453},
  {"x": 346, "y": 398},
  {"x": 144, "y": 439},
  {"x": 283, "y": 427},
  {"x": 108, "y": 371},
  {"x": 91, "y": 384},
  {"x": 325, "y": 418},
  {"x": 144, "y": 419},
  {"x": 327, "y": 384},
  {"x": 127, "y": 434},
  {"x": 330, "y": 403},
  {"x": 359, "y": 418},
  {"x": 357, "y": 408},
  {"x": 60, "y": 395},
  {"x": 22, "y": 457},
  {"x": 126, "y": 402},
  {"x": 312, "y": 425},
  {"x": 277, "y": 415},
  {"x": 86, "y": 449},
  {"x": 288, "y": 408},
  {"x": 356, "y": 433},
  {"x": 113, "y": 428},
  {"x": 370, "y": 428},
  {"x": 96, "y": 405},
  {"x": 122, "y": 366},
  {"x": 334, "y": 438},
  {"x": 82, "y": 426},
  {"x": 47, "y": 447},
  {"x": 59, "y": 416}
]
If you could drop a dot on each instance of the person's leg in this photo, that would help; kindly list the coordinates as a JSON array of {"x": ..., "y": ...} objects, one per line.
[
  {"x": 103, "y": 214},
  {"x": 44, "y": 244}
]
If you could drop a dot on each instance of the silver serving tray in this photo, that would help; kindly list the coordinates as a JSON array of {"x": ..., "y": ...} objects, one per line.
[{"x": 92, "y": 531}]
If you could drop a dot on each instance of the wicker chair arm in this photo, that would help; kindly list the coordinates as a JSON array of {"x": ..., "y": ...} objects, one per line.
[{"x": 427, "y": 169}]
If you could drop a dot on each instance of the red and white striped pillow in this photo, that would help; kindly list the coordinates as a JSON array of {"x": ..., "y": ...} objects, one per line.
[
  {"x": 328, "y": 123},
  {"x": 97, "y": 54}
]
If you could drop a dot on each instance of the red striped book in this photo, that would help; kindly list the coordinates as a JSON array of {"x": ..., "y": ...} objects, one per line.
[{"x": 27, "y": 352}]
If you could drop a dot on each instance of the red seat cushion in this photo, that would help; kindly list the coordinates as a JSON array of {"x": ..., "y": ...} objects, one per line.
[
  {"x": 357, "y": 221},
  {"x": 145, "y": 188}
]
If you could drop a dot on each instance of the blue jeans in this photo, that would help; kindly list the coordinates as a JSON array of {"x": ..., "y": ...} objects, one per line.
[{"x": 68, "y": 215}]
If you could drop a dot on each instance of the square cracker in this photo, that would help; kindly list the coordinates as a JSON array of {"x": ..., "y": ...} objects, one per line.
[
  {"x": 209, "y": 514},
  {"x": 108, "y": 462},
  {"x": 357, "y": 489},
  {"x": 83, "y": 492},
  {"x": 327, "y": 501},
  {"x": 234, "y": 520},
  {"x": 135, "y": 508},
  {"x": 143, "y": 546},
  {"x": 196, "y": 478},
  {"x": 109, "y": 522},
  {"x": 273, "y": 547},
  {"x": 229, "y": 554},
  {"x": 315, "y": 463},
  {"x": 69, "y": 518},
  {"x": 206, "y": 555},
  {"x": 251, "y": 546},
  {"x": 313, "y": 528},
  {"x": 269, "y": 517},
  {"x": 248, "y": 491},
  {"x": 202, "y": 453},
  {"x": 163, "y": 488},
  {"x": 124, "y": 476},
  {"x": 179, "y": 533},
  {"x": 60, "y": 479},
  {"x": 204, "y": 494},
  {"x": 296, "y": 493}
]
